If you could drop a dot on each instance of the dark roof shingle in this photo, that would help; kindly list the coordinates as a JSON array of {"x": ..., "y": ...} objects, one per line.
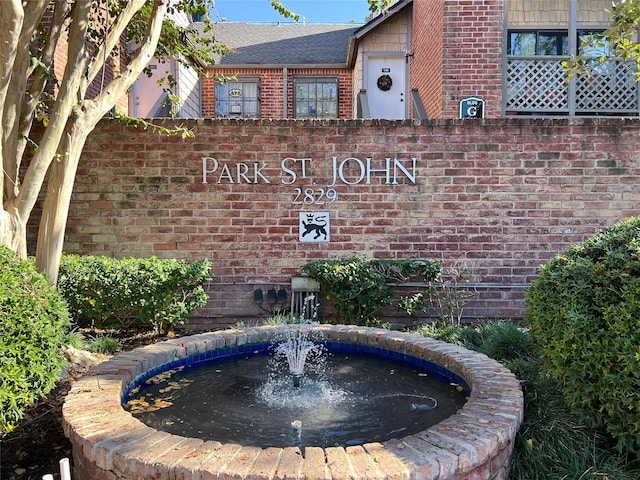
[{"x": 283, "y": 44}]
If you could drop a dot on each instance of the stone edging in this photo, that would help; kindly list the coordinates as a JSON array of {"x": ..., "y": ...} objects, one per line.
[{"x": 474, "y": 443}]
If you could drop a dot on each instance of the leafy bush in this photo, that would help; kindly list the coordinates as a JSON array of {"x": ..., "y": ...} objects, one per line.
[
  {"x": 105, "y": 344},
  {"x": 359, "y": 287},
  {"x": 33, "y": 326},
  {"x": 551, "y": 443},
  {"x": 584, "y": 313},
  {"x": 106, "y": 292},
  {"x": 447, "y": 295}
]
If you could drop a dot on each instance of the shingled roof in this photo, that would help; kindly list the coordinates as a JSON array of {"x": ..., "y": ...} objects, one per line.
[{"x": 283, "y": 44}]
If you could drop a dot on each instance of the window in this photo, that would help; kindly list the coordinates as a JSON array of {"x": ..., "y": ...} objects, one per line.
[
  {"x": 593, "y": 53},
  {"x": 532, "y": 43},
  {"x": 599, "y": 47},
  {"x": 238, "y": 98},
  {"x": 315, "y": 97}
]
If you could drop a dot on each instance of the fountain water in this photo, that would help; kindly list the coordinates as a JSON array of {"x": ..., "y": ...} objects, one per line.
[
  {"x": 473, "y": 442},
  {"x": 297, "y": 346}
]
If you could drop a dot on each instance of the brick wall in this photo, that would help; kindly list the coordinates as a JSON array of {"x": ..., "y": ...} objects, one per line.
[
  {"x": 427, "y": 48},
  {"x": 473, "y": 45},
  {"x": 503, "y": 196}
]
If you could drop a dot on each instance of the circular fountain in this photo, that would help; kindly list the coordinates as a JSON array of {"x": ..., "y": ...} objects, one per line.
[{"x": 474, "y": 442}]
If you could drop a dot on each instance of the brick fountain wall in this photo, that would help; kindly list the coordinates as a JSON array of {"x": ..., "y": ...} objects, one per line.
[{"x": 474, "y": 443}]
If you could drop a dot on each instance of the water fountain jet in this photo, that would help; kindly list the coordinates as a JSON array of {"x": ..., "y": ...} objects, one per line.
[{"x": 297, "y": 346}]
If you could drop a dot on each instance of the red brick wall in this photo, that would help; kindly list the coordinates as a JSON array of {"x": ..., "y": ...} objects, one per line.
[
  {"x": 473, "y": 46},
  {"x": 427, "y": 47},
  {"x": 207, "y": 87},
  {"x": 504, "y": 196},
  {"x": 272, "y": 89}
]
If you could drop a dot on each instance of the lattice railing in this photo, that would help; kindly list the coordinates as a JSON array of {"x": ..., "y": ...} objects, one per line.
[
  {"x": 612, "y": 87},
  {"x": 537, "y": 85},
  {"x": 540, "y": 85}
]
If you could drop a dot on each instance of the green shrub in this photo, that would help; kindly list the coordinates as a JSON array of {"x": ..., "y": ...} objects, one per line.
[
  {"x": 359, "y": 287},
  {"x": 551, "y": 444},
  {"x": 506, "y": 341},
  {"x": 106, "y": 292},
  {"x": 447, "y": 296},
  {"x": 584, "y": 313},
  {"x": 33, "y": 325},
  {"x": 105, "y": 344}
]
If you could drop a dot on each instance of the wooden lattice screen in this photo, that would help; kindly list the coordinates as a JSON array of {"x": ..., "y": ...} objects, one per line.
[{"x": 536, "y": 85}]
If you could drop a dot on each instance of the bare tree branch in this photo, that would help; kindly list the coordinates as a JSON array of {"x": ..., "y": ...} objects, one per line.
[
  {"x": 142, "y": 56},
  {"x": 112, "y": 39}
]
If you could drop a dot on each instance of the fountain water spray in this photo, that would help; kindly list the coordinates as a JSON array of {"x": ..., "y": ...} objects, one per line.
[{"x": 297, "y": 345}]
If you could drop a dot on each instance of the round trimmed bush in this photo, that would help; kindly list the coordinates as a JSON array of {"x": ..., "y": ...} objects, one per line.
[
  {"x": 33, "y": 325},
  {"x": 584, "y": 314}
]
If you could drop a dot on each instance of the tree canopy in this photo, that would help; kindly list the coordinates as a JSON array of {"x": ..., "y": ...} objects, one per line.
[
  {"x": 64, "y": 65},
  {"x": 620, "y": 40}
]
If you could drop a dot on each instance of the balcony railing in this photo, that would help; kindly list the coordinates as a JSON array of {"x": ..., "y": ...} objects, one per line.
[{"x": 540, "y": 85}]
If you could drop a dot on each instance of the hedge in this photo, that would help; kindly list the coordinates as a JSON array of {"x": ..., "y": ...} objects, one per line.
[{"x": 34, "y": 323}]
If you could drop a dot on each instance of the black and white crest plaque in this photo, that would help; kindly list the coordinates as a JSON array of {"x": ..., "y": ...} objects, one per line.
[{"x": 314, "y": 226}]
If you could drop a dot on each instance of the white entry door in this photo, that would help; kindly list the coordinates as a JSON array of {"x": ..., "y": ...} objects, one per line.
[{"x": 385, "y": 86}]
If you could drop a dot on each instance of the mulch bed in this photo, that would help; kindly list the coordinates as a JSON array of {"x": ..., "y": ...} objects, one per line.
[{"x": 36, "y": 446}]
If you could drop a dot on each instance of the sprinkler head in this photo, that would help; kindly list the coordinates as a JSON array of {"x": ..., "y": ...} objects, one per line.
[{"x": 296, "y": 429}]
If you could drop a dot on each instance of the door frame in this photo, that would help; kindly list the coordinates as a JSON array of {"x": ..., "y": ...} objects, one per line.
[{"x": 396, "y": 55}]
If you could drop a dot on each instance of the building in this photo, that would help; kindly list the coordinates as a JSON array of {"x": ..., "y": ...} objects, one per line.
[
  {"x": 420, "y": 59},
  {"x": 538, "y": 36},
  {"x": 173, "y": 89},
  {"x": 284, "y": 70}
]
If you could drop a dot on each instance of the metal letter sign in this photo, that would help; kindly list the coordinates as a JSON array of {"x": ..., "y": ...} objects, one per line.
[
  {"x": 472, "y": 107},
  {"x": 314, "y": 226}
]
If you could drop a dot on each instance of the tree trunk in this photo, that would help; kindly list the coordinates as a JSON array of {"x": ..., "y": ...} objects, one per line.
[
  {"x": 13, "y": 231},
  {"x": 55, "y": 210}
]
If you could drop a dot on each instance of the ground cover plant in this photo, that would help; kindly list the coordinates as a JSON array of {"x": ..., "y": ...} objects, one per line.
[{"x": 552, "y": 443}]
